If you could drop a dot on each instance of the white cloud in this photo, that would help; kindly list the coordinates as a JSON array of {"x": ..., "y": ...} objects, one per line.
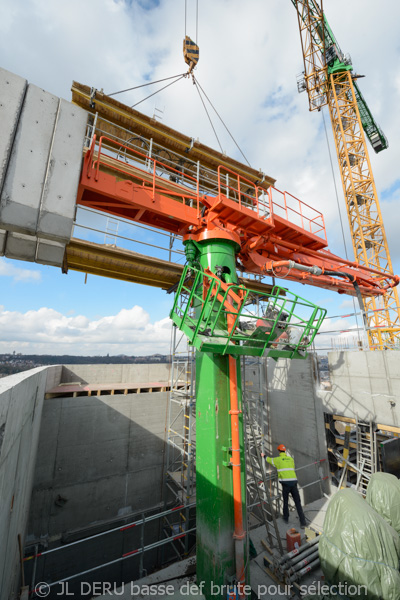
[
  {"x": 250, "y": 55},
  {"x": 349, "y": 304},
  {"x": 46, "y": 331},
  {"x": 8, "y": 269}
]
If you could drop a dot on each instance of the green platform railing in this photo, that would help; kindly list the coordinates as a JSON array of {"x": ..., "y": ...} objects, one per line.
[{"x": 224, "y": 319}]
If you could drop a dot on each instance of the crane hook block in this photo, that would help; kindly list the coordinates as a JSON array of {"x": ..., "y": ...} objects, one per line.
[{"x": 190, "y": 53}]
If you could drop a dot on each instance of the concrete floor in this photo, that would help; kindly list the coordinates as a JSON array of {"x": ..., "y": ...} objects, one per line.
[{"x": 179, "y": 577}]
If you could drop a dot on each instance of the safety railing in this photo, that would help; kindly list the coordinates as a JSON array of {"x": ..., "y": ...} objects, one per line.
[
  {"x": 296, "y": 211},
  {"x": 225, "y": 324},
  {"x": 37, "y": 589},
  {"x": 270, "y": 203},
  {"x": 245, "y": 193},
  {"x": 108, "y": 152},
  {"x": 162, "y": 178}
]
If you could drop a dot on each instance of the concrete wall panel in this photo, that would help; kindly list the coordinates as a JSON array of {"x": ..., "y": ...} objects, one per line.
[
  {"x": 21, "y": 400},
  {"x": 21, "y": 246},
  {"x": 295, "y": 418},
  {"x": 3, "y": 236},
  {"x": 12, "y": 93},
  {"x": 116, "y": 373},
  {"x": 50, "y": 253},
  {"x": 364, "y": 385},
  {"x": 23, "y": 187},
  {"x": 94, "y": 458},
  {"x": 59, "y": 195},
  {"x": 53, "y": 376}
]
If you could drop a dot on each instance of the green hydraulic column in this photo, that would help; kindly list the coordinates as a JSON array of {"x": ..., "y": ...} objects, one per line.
[{"x": 216, "y": 568}]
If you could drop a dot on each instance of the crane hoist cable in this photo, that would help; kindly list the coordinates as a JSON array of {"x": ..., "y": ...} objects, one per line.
[
  {"x": 136, "y": 87},
  {"x": 208, "y": 115},
  {"x": 198, "y": 86},
  {"x": 197, "y": 19},
  {"x": 160, "y": 90},
  {"x": 191, "y": 52}
]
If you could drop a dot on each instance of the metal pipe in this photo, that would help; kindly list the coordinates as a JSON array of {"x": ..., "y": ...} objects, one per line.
[
  {"x": 297, "y": 551},
  {"x": 239, "y": 533},
  {"x": 304, "y": 562},
  {"x": 304, "y": 571},
  {"x": 302, "y": 555},
  {"x": 34, "y": 567}
]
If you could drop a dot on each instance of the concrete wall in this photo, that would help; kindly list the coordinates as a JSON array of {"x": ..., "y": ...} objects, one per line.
[
  {"x": 364, "y": 384},
  {"x": 37, "y": 204},
  {"x": 21, "y": 401},
  {"x": 116, "y": 373},
  {"x": 100, "y": 461},
  {"x": 98, "y": 458},
  {"x": 295, "y": 418}
]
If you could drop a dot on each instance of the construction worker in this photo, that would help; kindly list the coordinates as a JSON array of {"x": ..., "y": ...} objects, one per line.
[{"x": 287, "y": 478}]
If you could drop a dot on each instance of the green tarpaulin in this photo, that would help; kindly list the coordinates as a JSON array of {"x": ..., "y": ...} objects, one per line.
[
  {"x": 383, "y": 494},
  {"x": 360, "y": 548}
]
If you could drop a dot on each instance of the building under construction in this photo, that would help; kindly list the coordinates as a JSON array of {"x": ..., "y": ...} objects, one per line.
[{"x": 137, "y": 480}]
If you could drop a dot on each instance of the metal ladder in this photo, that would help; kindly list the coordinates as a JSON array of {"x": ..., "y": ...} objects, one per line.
[
  {"x": 259, "y": 481},
  {"x": 366, "y": 453}
]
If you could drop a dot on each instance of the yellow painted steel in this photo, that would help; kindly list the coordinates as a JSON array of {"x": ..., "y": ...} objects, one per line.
[
  {"x": 311, "y": 25},
  {"x": 365, "y": 219}
]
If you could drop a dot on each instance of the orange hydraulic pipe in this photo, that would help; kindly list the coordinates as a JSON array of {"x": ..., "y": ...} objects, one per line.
[{"x": 239, "y": 533}]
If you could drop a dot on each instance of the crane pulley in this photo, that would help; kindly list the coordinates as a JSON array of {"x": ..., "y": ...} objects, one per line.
[{"x": 191, "y": 53}]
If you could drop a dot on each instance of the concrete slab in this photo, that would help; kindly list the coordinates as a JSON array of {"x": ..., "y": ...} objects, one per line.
[
  {"x": 3, "y": 236},
  {"x": 12, "y": 93},
  {"x": 22, "y": 188},
  {"x": 57, "y": 208},
  {"x": 50, "y": 253},
  {"x": 21, "y": 246}
]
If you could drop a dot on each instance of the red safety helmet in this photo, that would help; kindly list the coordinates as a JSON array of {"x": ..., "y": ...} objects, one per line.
[{"x": 281, "y": 448}]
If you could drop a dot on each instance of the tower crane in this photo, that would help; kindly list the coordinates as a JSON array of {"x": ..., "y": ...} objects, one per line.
[{"x": 329, "y": 80}]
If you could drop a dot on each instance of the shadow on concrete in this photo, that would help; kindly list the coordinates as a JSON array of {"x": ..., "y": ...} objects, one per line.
[{"x": 100, "y": 466}]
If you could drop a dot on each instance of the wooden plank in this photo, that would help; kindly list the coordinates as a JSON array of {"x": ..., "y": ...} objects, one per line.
[
  {"x": 122, "y": 116},
  {"x": 390, "y": 428},
  {"x": 343, "y": 419}
]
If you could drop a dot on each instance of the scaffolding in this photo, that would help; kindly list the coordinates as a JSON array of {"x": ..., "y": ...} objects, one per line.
[
  {"x": 262, "y": 486},
  {"x": 180, "y": 472}
]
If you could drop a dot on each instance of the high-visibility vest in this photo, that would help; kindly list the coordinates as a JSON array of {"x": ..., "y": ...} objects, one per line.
[{"x": 285, "y": 466}]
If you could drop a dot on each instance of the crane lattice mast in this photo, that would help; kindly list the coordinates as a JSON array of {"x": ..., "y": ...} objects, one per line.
[{"x": 329, "y": 80}]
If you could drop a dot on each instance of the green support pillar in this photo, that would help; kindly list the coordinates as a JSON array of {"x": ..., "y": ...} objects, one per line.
[{"x": 214, "y": 489}]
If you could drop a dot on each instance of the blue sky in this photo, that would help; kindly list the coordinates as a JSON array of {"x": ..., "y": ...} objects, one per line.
[{"x": 249, "y": 58}]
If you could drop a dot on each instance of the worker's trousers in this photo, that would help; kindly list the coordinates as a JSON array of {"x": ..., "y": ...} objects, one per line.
[{"x": 290, "y": 487}]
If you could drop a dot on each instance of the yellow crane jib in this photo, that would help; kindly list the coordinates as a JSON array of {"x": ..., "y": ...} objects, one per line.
[{"x": 190, "y": 53}]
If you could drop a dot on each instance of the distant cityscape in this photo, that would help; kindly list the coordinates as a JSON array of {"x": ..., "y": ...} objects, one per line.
[{"x": 17, "y": 362}]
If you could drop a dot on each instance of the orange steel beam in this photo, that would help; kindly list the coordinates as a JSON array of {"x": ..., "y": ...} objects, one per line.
[{"x": 268, "y": 225}]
